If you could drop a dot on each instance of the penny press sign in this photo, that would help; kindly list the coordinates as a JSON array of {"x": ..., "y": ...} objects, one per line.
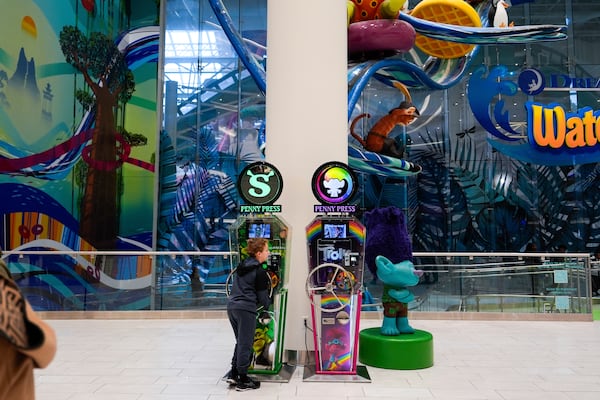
[
  {"x": 260, "y": 185},
  {"x": 334, "y": 184}
]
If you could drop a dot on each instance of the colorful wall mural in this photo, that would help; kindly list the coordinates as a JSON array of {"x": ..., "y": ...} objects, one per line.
[{"x": 78, "y": 141}]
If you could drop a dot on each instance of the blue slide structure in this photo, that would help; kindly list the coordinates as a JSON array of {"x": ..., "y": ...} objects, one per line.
[{"x": 435, "y": 73}]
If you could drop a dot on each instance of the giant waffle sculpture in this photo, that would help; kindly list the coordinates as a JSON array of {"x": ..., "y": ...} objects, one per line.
[{"x": 452, "y": 12}]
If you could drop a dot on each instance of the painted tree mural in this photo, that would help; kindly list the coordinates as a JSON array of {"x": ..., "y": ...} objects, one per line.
[{"x": 111, "y": 82}]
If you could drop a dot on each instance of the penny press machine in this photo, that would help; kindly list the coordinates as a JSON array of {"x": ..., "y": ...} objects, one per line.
[
  {"x": 335, "y": 240},
  {"x": 260, "y": 185}
]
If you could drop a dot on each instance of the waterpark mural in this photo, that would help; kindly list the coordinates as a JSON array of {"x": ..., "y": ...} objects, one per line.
[
  {"x": 499, "y": 152},
  {"x": 78, "y": 137}
]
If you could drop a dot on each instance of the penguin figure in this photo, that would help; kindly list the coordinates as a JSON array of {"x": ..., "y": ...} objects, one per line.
[
  {"x": 497, "y": 16},
  {"x": 404, "y": 8}
]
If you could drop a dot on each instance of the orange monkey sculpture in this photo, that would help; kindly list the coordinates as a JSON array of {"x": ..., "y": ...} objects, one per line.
[{"x": 378, "y": 140}]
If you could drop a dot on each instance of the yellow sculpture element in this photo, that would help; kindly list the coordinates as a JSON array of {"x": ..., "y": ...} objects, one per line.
[
  {"x": 363, "y": 10},
  {"x": 453, "y": 12}
]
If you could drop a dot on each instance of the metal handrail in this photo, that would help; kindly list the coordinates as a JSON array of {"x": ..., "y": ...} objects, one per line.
[
  {"x": 467, "y": 265},
  {"x": 119, "y": 253}
]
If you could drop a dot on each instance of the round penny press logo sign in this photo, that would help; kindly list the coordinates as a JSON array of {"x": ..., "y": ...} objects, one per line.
[
  {"x": 260, "y": 184},
  {"x": 334, "y": 183}
]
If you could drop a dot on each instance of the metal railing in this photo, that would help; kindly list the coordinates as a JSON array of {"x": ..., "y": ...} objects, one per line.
[
  {"x": 504, "y": 282},
  {"x": 158, "y": 280}
]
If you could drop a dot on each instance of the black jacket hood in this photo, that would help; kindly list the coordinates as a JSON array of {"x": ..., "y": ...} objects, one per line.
[{"x": 247, "y": 265}]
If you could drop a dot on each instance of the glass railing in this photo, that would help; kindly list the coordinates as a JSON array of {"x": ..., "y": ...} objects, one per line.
[
  {"x": 498, "y": 282},
  {"x": 121, "y": 280},
  {"x": 451, "y": 282}
]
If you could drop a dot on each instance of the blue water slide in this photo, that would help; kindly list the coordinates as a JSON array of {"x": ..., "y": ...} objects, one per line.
[{"x": 255, "y": 69}]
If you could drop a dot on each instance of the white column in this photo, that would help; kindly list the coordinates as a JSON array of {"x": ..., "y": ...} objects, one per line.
[{"x": 306, "y": 121}]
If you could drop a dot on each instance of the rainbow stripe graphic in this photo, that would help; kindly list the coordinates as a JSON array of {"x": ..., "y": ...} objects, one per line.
[
  {"x": 357, "y": 230},
  {"x": 331, "y": 301},
  {"x": 340, "y": 364},
  {"x": 313, "y": 230}
]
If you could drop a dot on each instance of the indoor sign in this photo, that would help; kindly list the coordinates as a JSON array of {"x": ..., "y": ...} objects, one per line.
[{"x": 554, "y": 135}]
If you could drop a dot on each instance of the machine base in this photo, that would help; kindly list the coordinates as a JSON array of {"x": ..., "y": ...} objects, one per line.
[
  {"x": 361, "y": 376},
  {"x": 405, "y": 351},
  {"x": 283, "y": 376}
]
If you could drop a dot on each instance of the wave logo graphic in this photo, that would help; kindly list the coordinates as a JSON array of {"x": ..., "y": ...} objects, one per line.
[
  {"x": 483, "y": 90},
  {"x": 532, "y": 82}
]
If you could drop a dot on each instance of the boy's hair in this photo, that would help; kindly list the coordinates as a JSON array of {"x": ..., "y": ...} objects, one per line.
[{"x": 255, "y": 245}]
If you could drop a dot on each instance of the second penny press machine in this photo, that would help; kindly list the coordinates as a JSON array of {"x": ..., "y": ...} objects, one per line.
[{"x": 336, "y": 244}]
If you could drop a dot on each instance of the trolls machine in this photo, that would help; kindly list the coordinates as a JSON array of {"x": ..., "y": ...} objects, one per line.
[
  {"x": 336, "y": 241},
  {"x": 260, "y": 185}
]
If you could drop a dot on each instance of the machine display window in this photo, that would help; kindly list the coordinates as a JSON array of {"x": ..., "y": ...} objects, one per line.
[
  {"x": 334, "y": 231},
  {"x": 259, "y": 230}
]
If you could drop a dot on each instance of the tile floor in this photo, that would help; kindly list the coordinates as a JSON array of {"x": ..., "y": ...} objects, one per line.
[{"x": 184, "y": 359}]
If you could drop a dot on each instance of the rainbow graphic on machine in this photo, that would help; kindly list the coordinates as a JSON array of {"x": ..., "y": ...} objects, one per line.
[
  {"x": 355, "y": 230},
  {"x": 314, "y": 229},
  {"x": 338, "y": 337}
]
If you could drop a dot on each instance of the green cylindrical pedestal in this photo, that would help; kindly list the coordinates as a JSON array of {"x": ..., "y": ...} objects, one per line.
[{"x": 405, "y": 351}]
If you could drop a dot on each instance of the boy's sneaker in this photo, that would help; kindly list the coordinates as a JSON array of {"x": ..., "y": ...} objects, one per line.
[
  {"x": 245, "y": 383},
  {"x": 231, "y": 377}
]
